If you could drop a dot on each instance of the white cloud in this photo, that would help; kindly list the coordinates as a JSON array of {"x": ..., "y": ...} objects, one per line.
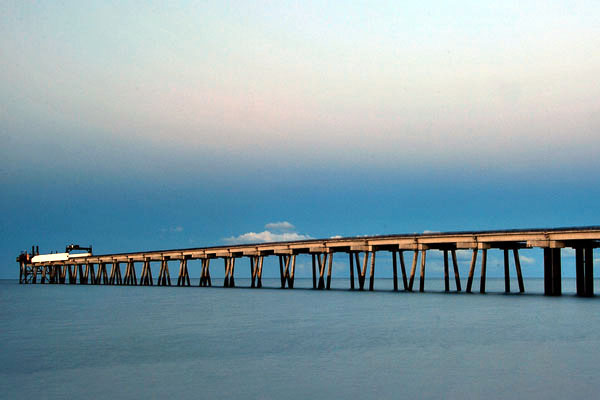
[
  {"x": 173, "y": 229},
  {"x": 526, "y": 260},
  {"x": 266, "y": 237},
  {"x": 280, "y": 226},
  {"x": 426, "y": 231},
  {"x": 336, "y": 237},
  {"x": 464, "y": 255},
  {"x": 282, "y": 231}
]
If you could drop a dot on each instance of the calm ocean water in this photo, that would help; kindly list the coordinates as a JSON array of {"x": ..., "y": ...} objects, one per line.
[{"x": 109, "y": 342}]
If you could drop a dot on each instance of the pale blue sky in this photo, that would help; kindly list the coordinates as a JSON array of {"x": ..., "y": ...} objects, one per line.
[{"x": 122, "y": 121}]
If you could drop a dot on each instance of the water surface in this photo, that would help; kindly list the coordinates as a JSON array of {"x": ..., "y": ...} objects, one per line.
[{"x": 110, "y": 342}]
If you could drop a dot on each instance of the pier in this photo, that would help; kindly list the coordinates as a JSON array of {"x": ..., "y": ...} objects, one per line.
[{"x": 106, "y": 269}]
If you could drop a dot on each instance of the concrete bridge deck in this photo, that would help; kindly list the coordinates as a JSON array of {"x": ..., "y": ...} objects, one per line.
[{"x": 361, "y": 252}]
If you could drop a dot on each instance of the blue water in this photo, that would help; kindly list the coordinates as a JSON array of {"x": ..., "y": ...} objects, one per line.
[{"x": 109, "y": 342}]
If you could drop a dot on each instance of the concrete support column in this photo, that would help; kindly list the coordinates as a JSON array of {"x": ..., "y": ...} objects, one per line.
[
  {"x": 351, "y": 271},
  {"x": 483, "y": 270},
  {"x": 552, "y": 272},
  {"x": 372, "y": 272},
  {"x": 506, "y": 272},
  {"x": 584, "y": 263},
  {"x": 518, "y": 269},
  {"x": 329, "y": 271},
  {"x": 403, "y": 270},
  {"x": 395, "y": 271},
  {"x": 412, "y": 270},
  {"x": 422, "y": 277},
  {"x": 314, "y": 270},
  {"x": 456, "y": 274},
  {"x": 281, "y": 274}
]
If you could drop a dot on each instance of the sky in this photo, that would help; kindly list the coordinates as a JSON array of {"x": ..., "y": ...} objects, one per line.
[{"x": 146, "y": 125}]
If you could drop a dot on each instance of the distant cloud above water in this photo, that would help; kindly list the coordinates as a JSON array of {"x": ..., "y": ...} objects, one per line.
[
  {"x": 274, "y": 232},
  {"x": 280, "y": 226}
]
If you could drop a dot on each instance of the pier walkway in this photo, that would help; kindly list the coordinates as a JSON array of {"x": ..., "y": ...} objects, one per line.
[{"x": 360, "y": 252}]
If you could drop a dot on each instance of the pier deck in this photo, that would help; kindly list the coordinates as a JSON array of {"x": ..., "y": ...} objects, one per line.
[{"x": 361, "y": 252}]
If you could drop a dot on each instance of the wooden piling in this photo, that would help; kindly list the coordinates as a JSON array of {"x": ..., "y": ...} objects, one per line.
[
  {"x": 119, "y": 276},
  {"x": 63, "y": 274},
  {"x": 180, "y": 274},
  {"x": 456, "y": 274},
  {"x": 518, "y": 269},
  {"x": 281, "y": 275},
  {"x": 584, "y": 268},
  {"x": 259, "y": 273},
  {"x": 135, "y": 281},
  {"x": 164, "y": 277},
  {"x": 95, "y": 274},
  {"x": 292, "y": 272},
  {"x": 403, "y": 269},
  {"x": 207, "y": 273},
  {"x": 364, "y": 271},
  {"x": 286, "y": 270},
  {"x": 506, "y": 273},
  {"x": 111, "y": 279},
  {"x": 413, "y": 269},
  {"x": 92, "y": 272},
  {"x": 186, "y": 272},
  {"x": 102, "y": 275},
  {"x": 483, "y": 270},
  {"x": 556, "y": 272},
  {"x": 314, "y": 271},
  {"x": 329, "y": 270},
  {"x": 80, "y": 270},
  {"x": 167, "y": 272},
  {"x": 149, "y": 278},
  {"x": 446, "y": 273},
  {"x": 231, "y": 273},
  {"x": 145, "y": 276},
  {"x": 372, "y": 272},
  {"x": 184, "y": 278},
  {"x": 552, "y": 272},
  {"x": 422, "y": 280},
  {"x": 357, "y": 263},
  {"x": 226, "y": 266},
  {"x": 395, "y": 271},
  {"x": 580, "y": 271},
  {"x": 72, "y": 274},
  {"x": 202, "y": 273},
  {"x": 589, "y": 271},
  {"x": 253, "y": 268},
  {"x": 351, "y": 270},
  {"x": 322, "y": 262},
  {"x": 126, "y": 280},
  {"x": 471, "y": 271}
]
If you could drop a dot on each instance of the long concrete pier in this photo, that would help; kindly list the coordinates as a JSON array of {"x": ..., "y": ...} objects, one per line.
[{"x": 360, "y": 252}]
